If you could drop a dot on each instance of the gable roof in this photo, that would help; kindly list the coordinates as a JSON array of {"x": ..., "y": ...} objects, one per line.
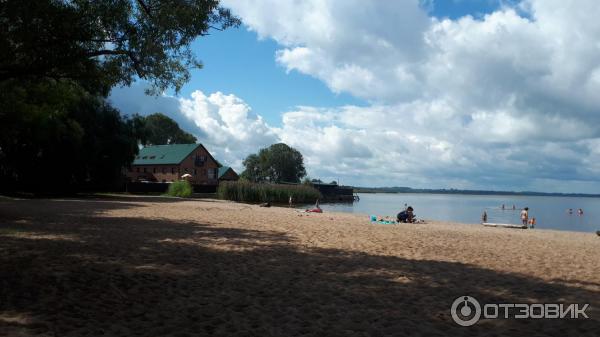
[
  {"x": 164, "y": 154},
  {"x": 224, "y": 169}
]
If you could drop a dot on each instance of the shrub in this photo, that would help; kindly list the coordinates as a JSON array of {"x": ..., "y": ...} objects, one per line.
[
  {"x": 180, "y": 188},
  {"x": 254, "y": 192}
]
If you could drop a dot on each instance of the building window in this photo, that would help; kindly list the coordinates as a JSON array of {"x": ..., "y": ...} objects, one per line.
[
  {"x": 186, "y": 170},
  {"x": 144, "y": 170},
  {"x": 199, "y": 160},
  {"x": 137, "y": 169},
  {"x": 172, "y": 170},
  {"x": 212, "y": 173},
  {"x": 195, "y": 172},
  {"x": 164, "y": 170},
  {"x": 154, "y": 170}
]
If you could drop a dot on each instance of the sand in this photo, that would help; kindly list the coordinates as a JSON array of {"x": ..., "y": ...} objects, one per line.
[{"x": 143, "y": 266}]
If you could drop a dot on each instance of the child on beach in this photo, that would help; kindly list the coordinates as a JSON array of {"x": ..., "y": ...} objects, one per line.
[{"x": 532, "y": 222}]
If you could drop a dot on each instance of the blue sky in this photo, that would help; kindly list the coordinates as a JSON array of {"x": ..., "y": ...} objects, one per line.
[
  {"x": 476, "y": 94},
  {"x": 237, "y": 61}
]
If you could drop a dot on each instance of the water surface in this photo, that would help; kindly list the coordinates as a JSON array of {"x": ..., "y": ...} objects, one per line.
[{"x": 550, "y": 212}]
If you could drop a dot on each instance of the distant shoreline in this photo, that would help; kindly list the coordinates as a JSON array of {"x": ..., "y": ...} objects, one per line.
[{"x": 398, "y": 190}]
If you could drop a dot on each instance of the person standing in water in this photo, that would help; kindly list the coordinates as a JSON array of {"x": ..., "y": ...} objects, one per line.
[
  {"x": 484, "y": 217},
  {"x": 580, "y": 212},
  {"x": 525, "y": 216}
]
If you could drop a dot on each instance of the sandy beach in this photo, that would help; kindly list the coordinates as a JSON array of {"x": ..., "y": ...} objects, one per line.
[{"x": 141, "y": 266}]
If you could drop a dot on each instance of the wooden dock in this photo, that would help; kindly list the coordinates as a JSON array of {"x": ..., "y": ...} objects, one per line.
[{"x": 504, "y": 225}]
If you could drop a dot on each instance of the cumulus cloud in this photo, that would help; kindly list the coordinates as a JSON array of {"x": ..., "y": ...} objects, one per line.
[
  {"x": 504, "y": 100},
  {"x": 224, "y": 123},
  {"x": 228, "y": 125},
  {"x": 507, "y": 100}
]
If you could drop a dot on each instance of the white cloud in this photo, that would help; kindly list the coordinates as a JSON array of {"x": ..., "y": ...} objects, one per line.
[
  {"x": 508, "y": 100},
  {"x": 505, "y": 100}
]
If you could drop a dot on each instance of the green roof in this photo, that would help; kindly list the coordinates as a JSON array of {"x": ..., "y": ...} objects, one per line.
[
  {"x": 164, "y": 154},
  {"x": 223, "y": 170}
]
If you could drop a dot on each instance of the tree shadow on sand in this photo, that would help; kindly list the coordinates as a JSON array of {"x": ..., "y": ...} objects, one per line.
[{"x": 79, "y": 273}]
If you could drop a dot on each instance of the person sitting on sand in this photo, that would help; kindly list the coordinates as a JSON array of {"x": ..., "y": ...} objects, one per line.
[
  {"x": 315, "y": 209},
  {"x": 406, "y": 216}
]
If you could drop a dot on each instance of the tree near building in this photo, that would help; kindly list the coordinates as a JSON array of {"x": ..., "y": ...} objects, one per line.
[
  {"x": 277, "y": 163},
  {"x": 158, "y": 129},
  {"x": 59, "y": 60}
]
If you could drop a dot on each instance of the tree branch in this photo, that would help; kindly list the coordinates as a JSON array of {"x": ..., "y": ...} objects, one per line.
[
  {"x": 145, "y": 7},
  {"x": 107, "y": 52}
]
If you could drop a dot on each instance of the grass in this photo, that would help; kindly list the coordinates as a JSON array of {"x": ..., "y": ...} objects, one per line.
[
  {"x": 180, "y": 188},
  {"x": 251, "y": 192}
]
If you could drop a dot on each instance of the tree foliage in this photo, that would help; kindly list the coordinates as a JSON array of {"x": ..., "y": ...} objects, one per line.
[
  {"x": 158, "y": 129},
  {"x": 277, "y": 163},
  {"x": 58, "y": 61},
  {"x": 107, "y": 42},
  {"x": 57, "y": 137}
]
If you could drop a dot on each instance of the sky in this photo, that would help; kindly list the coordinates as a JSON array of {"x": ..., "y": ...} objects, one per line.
[{"x": 467, "y": 94}]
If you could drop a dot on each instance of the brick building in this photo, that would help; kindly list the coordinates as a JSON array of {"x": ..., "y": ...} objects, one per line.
[{"x": 167, "y": 163}]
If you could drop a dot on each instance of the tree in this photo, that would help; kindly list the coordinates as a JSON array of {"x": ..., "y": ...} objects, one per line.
[
  {"x": 58, "y": 61},
  {"x": 277, "y": 163},
  {"x": 159, "y": 129},
  {"x": 106, "y": 42},
  {"x": 57, "y": 137},
  {"x": 253, "y": 171}
]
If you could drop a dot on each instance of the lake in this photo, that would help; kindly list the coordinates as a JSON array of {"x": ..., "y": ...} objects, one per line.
[{"x": 550, "y": 212}]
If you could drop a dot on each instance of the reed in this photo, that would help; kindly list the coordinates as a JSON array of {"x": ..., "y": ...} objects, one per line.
[{"x": 252, "y": 192}]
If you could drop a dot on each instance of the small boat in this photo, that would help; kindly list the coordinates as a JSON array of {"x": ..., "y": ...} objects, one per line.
[{"x": 504, "y": 225}]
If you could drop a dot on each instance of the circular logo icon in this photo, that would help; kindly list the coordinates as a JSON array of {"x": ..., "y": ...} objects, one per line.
[{"x": 465, "y": 310}]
